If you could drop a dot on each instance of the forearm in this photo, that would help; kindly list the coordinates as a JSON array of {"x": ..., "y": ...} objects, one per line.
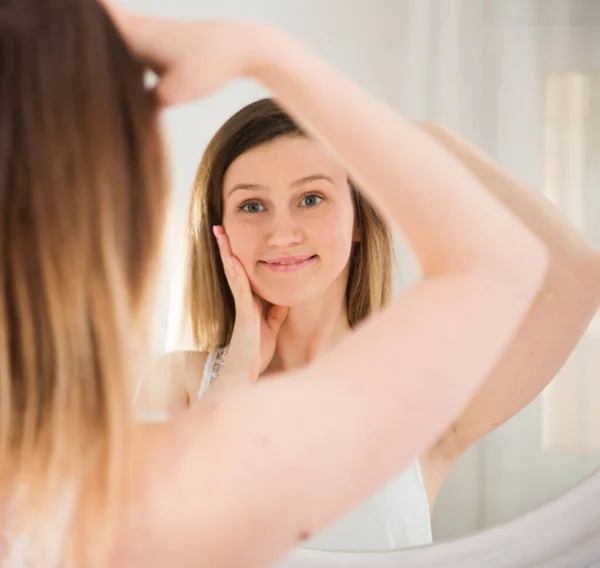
[
  {"x": 563, "y": 309},
  {"x": 569, "y": 250},
  {"x": 446, "y": 218}
]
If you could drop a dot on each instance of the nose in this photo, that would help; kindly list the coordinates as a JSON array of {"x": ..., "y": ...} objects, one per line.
[{"x": 284, "y": 231}]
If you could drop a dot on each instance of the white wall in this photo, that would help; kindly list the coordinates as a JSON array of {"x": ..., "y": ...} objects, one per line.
[{"x": 476, "y": 66}]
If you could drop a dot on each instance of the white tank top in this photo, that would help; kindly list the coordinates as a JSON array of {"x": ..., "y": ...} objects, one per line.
[{"x": 397, "y": 516}]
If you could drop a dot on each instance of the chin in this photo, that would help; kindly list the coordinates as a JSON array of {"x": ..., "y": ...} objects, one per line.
[{"x": 288, "y": 296}]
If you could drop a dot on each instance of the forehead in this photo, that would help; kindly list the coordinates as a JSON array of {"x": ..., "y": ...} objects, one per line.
[{"x": 282, "y": 161}]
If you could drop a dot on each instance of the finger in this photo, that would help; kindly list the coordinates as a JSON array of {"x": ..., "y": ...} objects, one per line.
[
  {"x": 140, "y": 33},
  {"x": 171, "y": 91},
  {"x": 178, "y": 85},
  {"x": 123, "y": 19},
  {"x": 275, "y": 317},
  {"x": 111, "y": 8},
  {"x": 240, "y": 271},
  {"x": 223, "y": 239},
  {"x": 234, "y": 270},
  {"x": 225, "y": 243},
  {"x": 226, "y": 258}
]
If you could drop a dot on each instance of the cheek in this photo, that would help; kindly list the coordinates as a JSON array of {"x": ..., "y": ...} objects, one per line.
[
  {"x": 244, "y": 241},
  {"x": 334, "y": 234}
]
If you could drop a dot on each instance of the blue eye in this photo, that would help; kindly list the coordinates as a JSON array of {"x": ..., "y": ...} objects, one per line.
[
  {"x": 252, "y": 207},
  {"x": 311, "y": 200}
]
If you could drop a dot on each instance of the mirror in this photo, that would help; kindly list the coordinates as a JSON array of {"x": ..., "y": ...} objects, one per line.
[{"x": 520, "y": 81}]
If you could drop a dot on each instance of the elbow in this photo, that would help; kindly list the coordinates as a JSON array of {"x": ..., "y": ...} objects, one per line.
[
  {"x": 574, "y": 274},
  {"x": 536, "y": 256},
  {"x": 584, "y": 274},
  {"x": 533, "y": 263},
  {"x": 522, "y": 268}
]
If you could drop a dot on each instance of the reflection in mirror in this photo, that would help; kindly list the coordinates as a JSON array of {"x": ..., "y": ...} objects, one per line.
[
  {"x": 310, "y": 244},
  {"x": 571, "y": 422},
  {"x": 554, "y": 442}
]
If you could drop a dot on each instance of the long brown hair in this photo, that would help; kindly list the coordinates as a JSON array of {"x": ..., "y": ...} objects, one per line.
[
  {"x": 210, "y": 309},
  {"x": 82, "y": 201}
]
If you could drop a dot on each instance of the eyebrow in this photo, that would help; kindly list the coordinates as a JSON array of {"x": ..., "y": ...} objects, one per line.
[{"x": 298, "y": 182}]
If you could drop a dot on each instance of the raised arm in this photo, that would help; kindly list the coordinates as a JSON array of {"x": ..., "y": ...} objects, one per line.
[
  {"x": 562, "y": 310},
  {"x": 258, "y": 471},
  {"x": 170, "y": 385}
]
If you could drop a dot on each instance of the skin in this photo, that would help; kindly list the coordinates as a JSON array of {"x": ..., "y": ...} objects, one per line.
[
  {"x": 250, "y": 475},
  {"x": 282, "y": 219},
  {"x": 277, "y": 219}
]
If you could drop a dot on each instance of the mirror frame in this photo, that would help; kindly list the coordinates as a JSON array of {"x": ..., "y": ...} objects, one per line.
[{"x": 564, "y": 532}]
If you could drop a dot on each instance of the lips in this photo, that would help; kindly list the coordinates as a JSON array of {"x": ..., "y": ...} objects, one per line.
[
  {"x": 288, "y": 260},
  {"x": 289, "y": 263}
]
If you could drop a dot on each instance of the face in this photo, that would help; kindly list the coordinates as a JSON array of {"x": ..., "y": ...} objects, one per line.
[{"x": 289, "y": 216}]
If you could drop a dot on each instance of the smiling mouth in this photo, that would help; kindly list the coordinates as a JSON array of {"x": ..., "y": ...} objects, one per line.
[{"x": 289, "y": 264}]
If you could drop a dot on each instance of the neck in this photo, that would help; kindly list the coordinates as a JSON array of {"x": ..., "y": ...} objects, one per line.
[{"x": 311, "y": 329}]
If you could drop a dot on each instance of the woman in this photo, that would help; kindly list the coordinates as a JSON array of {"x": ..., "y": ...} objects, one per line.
[
  {"x": 317, "y": 257},
  {"x": 238, "y": 480}
]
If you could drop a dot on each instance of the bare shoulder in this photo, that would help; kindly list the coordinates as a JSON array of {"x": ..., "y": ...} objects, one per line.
[
  {"x": 171, "y": 383},
  {"x": 181, "y": 361},
  {"x": 185, "y": 367}
]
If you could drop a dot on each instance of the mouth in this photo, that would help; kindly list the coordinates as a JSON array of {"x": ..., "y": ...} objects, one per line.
[{"x": 289, "y": 263}]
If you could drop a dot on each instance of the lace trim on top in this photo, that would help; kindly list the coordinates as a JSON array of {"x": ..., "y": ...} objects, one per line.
[
  {"x": 212, "y": 368},
  {"x": 217, "y": 363}
]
